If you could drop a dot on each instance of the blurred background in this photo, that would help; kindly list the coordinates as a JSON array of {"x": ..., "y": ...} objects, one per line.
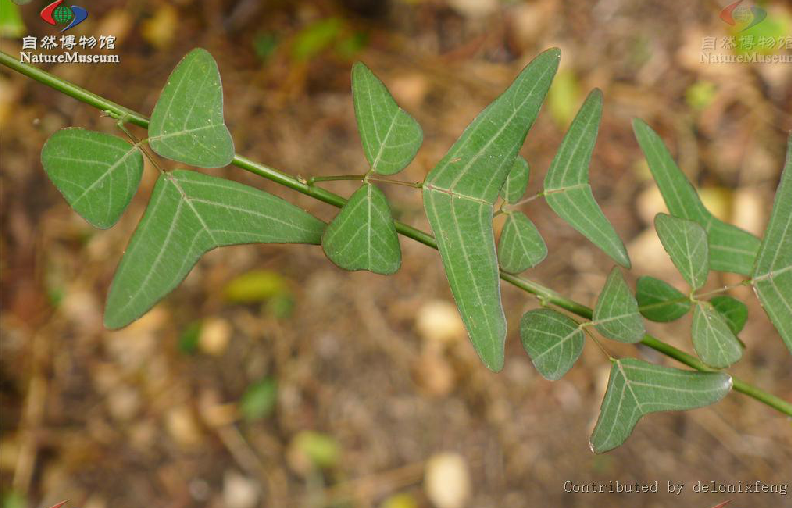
[{"x": 272, "y": 378}]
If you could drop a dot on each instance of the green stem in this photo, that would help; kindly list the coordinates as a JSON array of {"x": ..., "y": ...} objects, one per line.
[
  {"x": 544, "y": 294},
  {"x": 335, "y": 178},
  {"x": 367, "y": 177},
  {"x": 516, "y": 205}
]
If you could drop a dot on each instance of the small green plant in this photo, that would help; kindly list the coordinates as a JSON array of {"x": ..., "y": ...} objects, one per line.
[{"x": 481, "y": 176}]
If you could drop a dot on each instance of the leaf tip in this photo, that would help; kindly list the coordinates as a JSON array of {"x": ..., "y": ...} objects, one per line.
[
  {"x": 637, "y": 124},
  {"x": 359, "y": 67},
  {"x": 624, "y": 261},
  {"x": 111, "y": 321},
  {"x": 554, "y": 51},
  {"x": 493, "y": 362}
]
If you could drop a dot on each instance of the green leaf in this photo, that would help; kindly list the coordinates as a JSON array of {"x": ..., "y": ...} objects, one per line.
[
  {"x": 363, "y": 235},
  {"x": 567, "y": 188},
  {"x": 772, "y": 276},
  {"x": 686, "y": 244},
  {"x": 391, "y": 137},
  {"x": 259, "y": 399},
  {"x": 459, "y": 194},
  {"x": 734, "y": 311},
  {"x": 187, "y": 123},
  {"x": 715, "y": 343},
  {"x": 188, "y": 215},
  {"x": 521, "y": 246},
  {"x": 659, "y": 301},
  {"x": 516, "y": 182},
  {"x": 731, "y": 248},
  {"x": 616, "y": 314},
  {"x": 97, "y": 173},
  {"x": 636, "y": 388},
  {"x": 552, "y": 340}
]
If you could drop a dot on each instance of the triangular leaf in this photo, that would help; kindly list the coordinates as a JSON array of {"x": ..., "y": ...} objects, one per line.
[
  {"x": 517, "y": 180},
  {"x": 459, "y": 194},
  {"x": 731, "y": 248},
  {"x": 552, "y": 340},
  {"x": 521, "y": 246},
  {"x": 187, "y": 123},
  {"x": 715, "y": 343},
  {"x": 659, "y": 301},
  {"x": 734, "y": 311},
  {"x": 686, "y": 244},
  {"x": 391, "y": 137},
  {"x": 567, "y": 188},
  {"x": 188, "y": 215},
  {"x": 772, "y": 276},
  {"x": 616, "y": 315},
  {"x": 97, "y": 173},
  {"x": 363, "y": 236},
  {"x": 636, "y": 388}
]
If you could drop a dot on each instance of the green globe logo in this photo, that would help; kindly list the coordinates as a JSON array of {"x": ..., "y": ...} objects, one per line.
[{"x": 62, "y": 15}]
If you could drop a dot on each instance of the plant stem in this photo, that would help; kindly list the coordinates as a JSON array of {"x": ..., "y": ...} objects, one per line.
[
  {"x": 516, "y": 205},
  {"x": 335, "y": 178},
  {"x": 545, "y": 295},
  {"x": 366, "y": 177}
]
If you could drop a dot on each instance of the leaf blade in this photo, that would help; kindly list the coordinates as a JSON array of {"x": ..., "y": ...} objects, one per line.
[
  {"x": 567, "y": 188},
  {"x": 91, "y": 169},
  {"x": 686, "y": 243},
  {"x": 772, "y": 275},
  {"x": 459, "y": 194},
  {"x": 616, "y": 314},
  {"x": 521, "y": 246},
  {"x": 644, "y": 388},
  {"x": 363, "y": 235},
  {"x": 659, "y": 301},
  {"x": 734, "y": 311},
  {"x": 731, "y": 248},
  {"x": 188, "y": 215},
  {"x": 187, "y": 123},
  {"x": 390, "y": 136},
  {"x": 516, "y": 181},
  {"x": 552, "y": 340},
  {"x": 714, "y": 341}
]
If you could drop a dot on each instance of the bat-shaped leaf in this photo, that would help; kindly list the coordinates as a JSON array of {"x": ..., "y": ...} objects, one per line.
[
  {"x": 459, "y": 194},
  {"x": 97, "y": 173},
  {"x": 552, "y": 340},
  {"x": 686, "y": 244},
  {"x": 521, "y": 246},
  {"x": 391, "y": 137},
  {"x": 616, "y": 315},
  {"x": 714, "y": 341},
  {"x": 188, "y": 215},
  {"x": 772, "y": 276},
  {"x": 660, "y": 301},
  {"x": 567, "y": 188},
  {"x": 731, "y": 248},
  {"x": 636, "y": 388},
  {"x": 363, "y": 236},
  {"x": 187, "y": 123}
]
